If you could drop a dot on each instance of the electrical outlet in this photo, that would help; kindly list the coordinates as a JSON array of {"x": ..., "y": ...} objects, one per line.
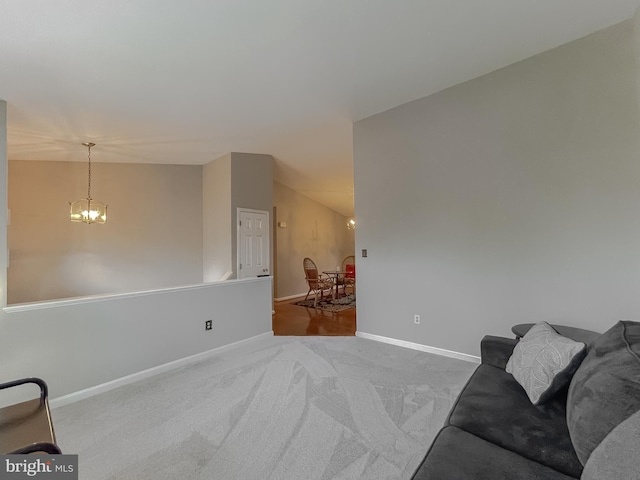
[
  {"x": 208, "y": 325},
  {"x": 416, "y": 319}
]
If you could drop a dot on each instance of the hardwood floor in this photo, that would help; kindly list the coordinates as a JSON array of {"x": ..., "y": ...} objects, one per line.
[{"x": 291, "y": 319}]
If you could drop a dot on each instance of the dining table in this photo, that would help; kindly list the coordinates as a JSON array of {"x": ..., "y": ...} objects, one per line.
[{"x": 335, "y": 277}]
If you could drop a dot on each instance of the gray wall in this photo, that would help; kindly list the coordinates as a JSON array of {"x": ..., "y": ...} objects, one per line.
[
  {"x": 251, "y": 188},
  {"x": 510, "y": 198},
  {"x": 75, "y": 346},
  {"x": 312, "y": 230},
  {"x": 168, "y": 225},
  {"x": 3, "y": 203},
  {"x": 152, "y": 239},
  {"x": 216, "y": 219}
]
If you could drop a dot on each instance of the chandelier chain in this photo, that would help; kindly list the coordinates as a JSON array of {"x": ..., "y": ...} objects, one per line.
[
  {"x": 87, "y": 210},
  {"x": 89, "y": 188}
]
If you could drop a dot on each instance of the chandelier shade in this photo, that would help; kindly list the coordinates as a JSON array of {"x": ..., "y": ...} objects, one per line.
[{"x": 88, "y": 210}]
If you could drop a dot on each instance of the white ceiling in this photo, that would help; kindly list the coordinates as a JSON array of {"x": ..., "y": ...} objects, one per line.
[{"x": 168, "y": 81}]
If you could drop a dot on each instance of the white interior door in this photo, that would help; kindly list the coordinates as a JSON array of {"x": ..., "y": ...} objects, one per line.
[{"x": 253, "y": 243}]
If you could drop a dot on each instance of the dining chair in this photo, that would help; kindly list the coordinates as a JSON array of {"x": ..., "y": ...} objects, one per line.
[
  {"x": 317, "y": 283},
  {"x": 349, "y": 279}
]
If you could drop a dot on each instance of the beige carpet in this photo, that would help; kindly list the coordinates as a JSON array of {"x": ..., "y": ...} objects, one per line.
[{"x": 280, "y": 408}]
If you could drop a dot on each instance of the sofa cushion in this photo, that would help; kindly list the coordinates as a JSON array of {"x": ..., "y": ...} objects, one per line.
[
  {"x": 606, "y": 388},
  {"x": 617, "y": 455},
  {"x": 494, "y": 407},
  {"x": 496, "y": 351},
  {"x": 456, "y": 454},
  {"x": 544, "y": 361}
]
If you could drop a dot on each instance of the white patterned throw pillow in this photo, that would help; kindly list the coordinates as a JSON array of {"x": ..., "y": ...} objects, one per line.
[{"x": 544, "y": 361}]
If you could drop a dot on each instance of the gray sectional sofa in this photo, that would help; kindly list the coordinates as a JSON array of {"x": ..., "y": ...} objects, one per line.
[{"x": 589, "y": 430}]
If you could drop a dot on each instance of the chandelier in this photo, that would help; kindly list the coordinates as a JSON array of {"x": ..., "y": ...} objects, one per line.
[
  {"x": 351, "y": 223},
  {"x": 88, "y": 210}
]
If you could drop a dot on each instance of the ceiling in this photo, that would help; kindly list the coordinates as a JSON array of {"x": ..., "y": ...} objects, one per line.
[{"x": 184, "y": 82}]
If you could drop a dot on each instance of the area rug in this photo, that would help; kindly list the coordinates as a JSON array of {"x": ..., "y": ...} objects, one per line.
[{"x": 329, "y": 304}]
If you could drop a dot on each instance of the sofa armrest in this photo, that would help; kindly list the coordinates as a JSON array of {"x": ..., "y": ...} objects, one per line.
[{"x": 496, "y": 350}]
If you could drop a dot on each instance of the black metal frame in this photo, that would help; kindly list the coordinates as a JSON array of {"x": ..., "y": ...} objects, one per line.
[
  {"x": 46, "y": 447},
  {"x": 44, "y": 390}
]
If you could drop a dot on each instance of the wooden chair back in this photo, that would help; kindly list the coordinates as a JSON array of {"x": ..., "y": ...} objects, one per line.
[
  {"x": 310, "y": 272},
  {"x": 349, "y": 266}
]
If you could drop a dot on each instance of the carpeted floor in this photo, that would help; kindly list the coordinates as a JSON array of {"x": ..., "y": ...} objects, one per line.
[
  {"x": 329, "y": 304},
  {"x": 277, "y": 408}
]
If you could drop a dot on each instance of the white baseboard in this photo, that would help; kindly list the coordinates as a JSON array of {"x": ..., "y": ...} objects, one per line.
[
  {"x": 420, "y": 347},
  {"x": 135, "y": 377},
  {"x": 290, "y": 297}
]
